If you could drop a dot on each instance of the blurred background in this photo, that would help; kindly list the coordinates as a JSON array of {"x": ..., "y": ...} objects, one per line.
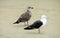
[{"x": 10, "y": 11}]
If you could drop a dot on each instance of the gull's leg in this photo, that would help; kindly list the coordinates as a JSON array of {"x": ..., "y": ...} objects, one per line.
[
  {"x": 24, "y": 23},
  {"x": 39, "y": 30},
  {"x": 27, "y": 23}
]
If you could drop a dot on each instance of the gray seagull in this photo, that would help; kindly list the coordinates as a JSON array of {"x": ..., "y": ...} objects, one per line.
[{"x": 25, "y": 17}]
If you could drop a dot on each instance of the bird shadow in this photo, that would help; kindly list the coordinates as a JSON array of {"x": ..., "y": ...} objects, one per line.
[{"x": 34, "y": 32}]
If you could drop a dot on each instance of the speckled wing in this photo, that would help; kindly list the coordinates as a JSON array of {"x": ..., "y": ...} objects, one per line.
[{"x": 25, "y": 17}]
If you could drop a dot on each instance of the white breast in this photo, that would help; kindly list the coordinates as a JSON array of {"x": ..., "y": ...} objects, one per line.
[{"x": 44, "y": 20}]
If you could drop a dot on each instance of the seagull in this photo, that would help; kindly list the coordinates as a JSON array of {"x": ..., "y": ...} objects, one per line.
[
  {"x": 25, "y": 17},
  {"x": 37, "y": 24}
]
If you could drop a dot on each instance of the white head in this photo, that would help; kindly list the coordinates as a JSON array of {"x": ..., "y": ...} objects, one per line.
[{"x": 43, "y": 19}]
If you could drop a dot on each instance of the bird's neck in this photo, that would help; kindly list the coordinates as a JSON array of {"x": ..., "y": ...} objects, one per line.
[
  {"x": 44, "y": 20},
  {"x": 29, "y": 10}
]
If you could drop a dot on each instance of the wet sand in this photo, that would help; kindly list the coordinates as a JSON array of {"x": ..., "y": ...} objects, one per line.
[{"x": 10, "y": 10}]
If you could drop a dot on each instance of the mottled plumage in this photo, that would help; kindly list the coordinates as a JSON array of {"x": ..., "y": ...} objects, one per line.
[{"x": 25, "y": 16}]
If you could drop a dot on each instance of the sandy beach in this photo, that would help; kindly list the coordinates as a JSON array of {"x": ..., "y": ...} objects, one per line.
[{"x": 10, "y": 11}]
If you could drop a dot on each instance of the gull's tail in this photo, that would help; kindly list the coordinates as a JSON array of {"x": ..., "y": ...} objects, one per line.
[{"x": 17, "y": 22}]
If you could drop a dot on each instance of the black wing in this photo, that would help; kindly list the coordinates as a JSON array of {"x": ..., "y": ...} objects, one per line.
[{"x": 35, "y": 25}]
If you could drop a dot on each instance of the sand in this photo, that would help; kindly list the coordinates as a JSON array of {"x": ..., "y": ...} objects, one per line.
[{"x": 10, "y": 10}]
